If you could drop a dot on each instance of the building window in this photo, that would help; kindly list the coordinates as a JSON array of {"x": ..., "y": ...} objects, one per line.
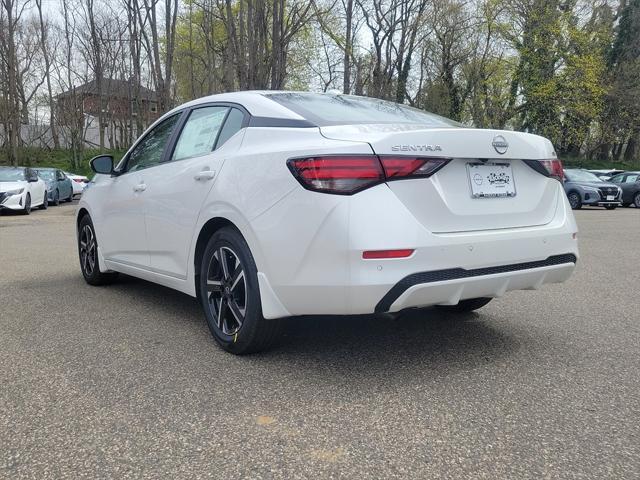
[{"x": 153, "y": 108}]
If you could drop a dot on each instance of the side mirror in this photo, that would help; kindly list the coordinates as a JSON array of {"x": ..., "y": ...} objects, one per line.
[{"x": 102, "y": 164}]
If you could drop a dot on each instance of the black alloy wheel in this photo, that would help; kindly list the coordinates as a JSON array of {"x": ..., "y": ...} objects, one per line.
[
  {"x": 575, "y": 201},
  {"x": 230, "y": 296},
  {"x": 227, "y": 287},
  {"x": 88, "y": 252},
  {"x": 27, "y": 205}
]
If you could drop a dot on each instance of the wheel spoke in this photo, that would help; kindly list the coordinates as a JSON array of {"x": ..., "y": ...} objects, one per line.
[
  {"x": 237, "y": 276},
  {"x": 222, "y": 312},
  {"x": 237, "y": 312},
  {"x": 214, "y": 285},
  {"x": 223, "y": 262}
]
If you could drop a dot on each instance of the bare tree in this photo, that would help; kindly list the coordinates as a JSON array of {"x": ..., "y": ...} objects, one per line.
[
  {"x": 46, "y": 56},
  {"x": 12, "y": 11}
]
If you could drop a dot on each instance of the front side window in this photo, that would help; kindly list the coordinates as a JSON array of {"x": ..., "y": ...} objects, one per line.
[
  {"x": 46, "y": 175},
  {"x": 616, "y": 179},
  {"x": 150, "y": 149},
  {"x": 198, "y": 137}
]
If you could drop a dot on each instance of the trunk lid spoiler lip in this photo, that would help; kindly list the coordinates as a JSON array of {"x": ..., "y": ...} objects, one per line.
[{"x": 448, "y": 142}]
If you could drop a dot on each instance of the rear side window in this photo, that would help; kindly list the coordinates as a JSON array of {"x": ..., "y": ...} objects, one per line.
[
  {"x": 631, "y": 178},
  {"x": 231, "y": 126},
  {"x": 327, "y": 109},
  {"x": 198, "y": 137}
]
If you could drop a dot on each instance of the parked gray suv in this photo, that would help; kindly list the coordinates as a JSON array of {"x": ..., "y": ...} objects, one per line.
[{"x": 585, "y": 188}]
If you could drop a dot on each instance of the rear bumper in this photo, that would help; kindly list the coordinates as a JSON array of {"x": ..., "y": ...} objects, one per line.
[
  {"x": 448, "y": 287},
  {"x": 331, "y": 277}
]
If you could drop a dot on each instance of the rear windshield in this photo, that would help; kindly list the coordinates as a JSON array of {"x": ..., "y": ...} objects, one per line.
[{"x": 328, "y": 109}]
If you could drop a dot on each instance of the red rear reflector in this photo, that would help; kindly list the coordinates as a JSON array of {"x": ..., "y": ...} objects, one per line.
[
  {"x": 370, "y": 254},
  {"x": 554, "y": 167}
]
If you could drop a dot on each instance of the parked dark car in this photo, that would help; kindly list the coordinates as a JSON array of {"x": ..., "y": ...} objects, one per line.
[
  {"x": 629, "y": 182},
  {"x": 584, "y": 188},
  {"x": 606, "y": 174},
  {"x": 59, "y": 187}
]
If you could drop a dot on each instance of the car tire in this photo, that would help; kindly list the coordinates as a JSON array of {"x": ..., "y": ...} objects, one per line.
[
  {"x": 56, "y": 198},
  {"x": 70, "y": 199},
  {"x": 574, "y": 200},
  {"x": 610, "y": 207},
  {"x": 45, "y": 202},
  {"x": 626, "y": 205},
  {"x": 468, "y": 305},
  {"x": 88, "y": 254},
  {"x": 27, "y": 205},
  {"x": 636, "y": 200},
  {"x": 230, "y": 297}
]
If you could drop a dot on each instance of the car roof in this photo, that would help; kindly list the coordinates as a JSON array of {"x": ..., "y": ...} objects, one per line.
[{"x": 255, "y": 101}]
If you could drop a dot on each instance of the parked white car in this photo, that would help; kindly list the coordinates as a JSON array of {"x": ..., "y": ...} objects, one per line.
[
  {"x": 274, "y": 204},
  {"x": 78, "y": 182},
  {"x": 21, "y": 189}
]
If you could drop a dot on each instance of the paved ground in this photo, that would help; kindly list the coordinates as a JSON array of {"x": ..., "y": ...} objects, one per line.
[{"x": 125, "y": 381}]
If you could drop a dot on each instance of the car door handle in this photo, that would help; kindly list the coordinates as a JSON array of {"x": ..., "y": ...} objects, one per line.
[
  {"x": 205, "y": 175},
  {"x": 141, "y": 187}
]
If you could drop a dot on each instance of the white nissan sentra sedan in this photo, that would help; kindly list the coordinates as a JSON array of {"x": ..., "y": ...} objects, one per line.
[{"x": 266, "y": 205}]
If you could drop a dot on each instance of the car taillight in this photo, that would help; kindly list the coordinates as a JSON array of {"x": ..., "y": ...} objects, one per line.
[
  {"x": 337, "y": 174},
  {"x": 348, "y": 174},
  {"x": 398, "y": 167},
  {"x": 77, "y": 180},
  {"x": 554, "y": 167}
]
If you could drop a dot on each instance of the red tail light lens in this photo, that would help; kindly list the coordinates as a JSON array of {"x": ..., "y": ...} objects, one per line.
[
  {"x": 345, "y": 175},
  {"x": 338, "y": 174},
  {"x": 554, "y": 167},
  {"x": 395, "y": 167}
]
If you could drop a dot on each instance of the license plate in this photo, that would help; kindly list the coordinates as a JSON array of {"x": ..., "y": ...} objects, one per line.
[
  {"x": 611, "y": 197},
  {"x": 491, "y": 180}
]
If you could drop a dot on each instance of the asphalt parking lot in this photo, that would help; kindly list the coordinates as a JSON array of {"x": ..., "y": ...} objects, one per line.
[{"x": 126, "y": 382}]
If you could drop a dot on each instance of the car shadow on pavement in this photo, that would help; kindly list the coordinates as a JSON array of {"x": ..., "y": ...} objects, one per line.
[
  {"x": 429, "y": 337},
  {"x": 364, "y": 344}
]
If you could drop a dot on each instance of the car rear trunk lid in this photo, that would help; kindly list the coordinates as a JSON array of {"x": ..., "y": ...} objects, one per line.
[{"x": 444, "y": 202}]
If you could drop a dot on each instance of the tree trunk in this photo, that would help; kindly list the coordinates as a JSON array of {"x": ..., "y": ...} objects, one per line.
[
  {"x": 47, "y": 72},
  {"x": 12, "y": 73},
  {"x": 346, "y": 84}
]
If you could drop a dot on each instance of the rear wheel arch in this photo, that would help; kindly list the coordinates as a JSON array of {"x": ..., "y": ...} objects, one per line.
[
  {"x": 81, "y": 214},
  {"x": 208, "y": 229}
]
